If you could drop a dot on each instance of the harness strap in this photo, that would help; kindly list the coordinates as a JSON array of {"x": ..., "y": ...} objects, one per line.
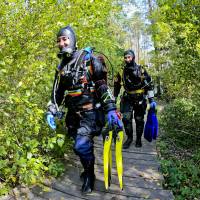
[
  {"x": 78, "y": 92},
  {"x": 139, "y": 91}
]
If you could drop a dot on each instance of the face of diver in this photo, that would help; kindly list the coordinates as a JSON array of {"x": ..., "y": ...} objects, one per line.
[
  {"x": 63, "y": 42},
  {"x": 128, "y": 58}
]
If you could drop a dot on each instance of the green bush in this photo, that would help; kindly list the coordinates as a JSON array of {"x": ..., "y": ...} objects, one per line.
[
  {"x": 181, "y": 175},
  {"x": 179, "y": 148},
  {"x": 29, "y": 150},
  {"x": 180, "y": 120}
]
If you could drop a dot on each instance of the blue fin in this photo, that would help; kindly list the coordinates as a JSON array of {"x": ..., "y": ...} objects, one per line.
[
  {"x": 155, "y": 127},
  {"x": 151, "y": 126}
]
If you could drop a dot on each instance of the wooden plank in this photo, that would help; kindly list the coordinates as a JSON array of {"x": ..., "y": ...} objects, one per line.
[
  {"x": 135, "y": 192},
  {"x": 55, "y": 194},
  {"x": 67, "y": 188},
  {"x": 133, "y": 149},
  {"x": 7, "y": 197},
  {"x": 132, "y": 155},
  {"x": 126, "y": 161},
  {"x": 21, "y": 193},
  {"x": 141, "y": 179},
  {"x": 95, "y": 195},
  {"x": 129, "y": 171},
  {"x": 145, "y": 143},
  {"x": 148, "y": 147},
  {"x": 60, "y": 190},
  {"x": 73, "y": 174}
]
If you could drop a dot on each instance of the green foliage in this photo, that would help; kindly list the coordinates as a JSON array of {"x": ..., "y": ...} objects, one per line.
[
  {"x": 56, "y": 168},
  {"x": 180, "y": 120},
  {"x": 181, "y": 175},
  {"x": 175, "y": 33},
  {"x": 29, "y": 150},
  {"x": 179, "y": 148},
  {"x": 177, "y": 52}
]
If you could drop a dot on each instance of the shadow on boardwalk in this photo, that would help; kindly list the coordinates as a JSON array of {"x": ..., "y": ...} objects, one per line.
[{"x": 142, "y": 178}]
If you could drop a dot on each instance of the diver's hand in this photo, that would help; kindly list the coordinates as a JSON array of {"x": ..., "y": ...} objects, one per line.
[
  {"x": 51, "y": 107},
  {"x": 114, "y": 119},
  {"x": 153, "y": 105}
]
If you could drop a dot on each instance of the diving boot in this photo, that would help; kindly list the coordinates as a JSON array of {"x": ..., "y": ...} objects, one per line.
[
  {"x": 127, "y": 143},
  {"x": 138, "y": 142},
  {"x": 85, "y": 164},
  {"x": 83, "y": 174},
  {"x": 88, "y": 177},
  {"x": 88, "y": 184}
]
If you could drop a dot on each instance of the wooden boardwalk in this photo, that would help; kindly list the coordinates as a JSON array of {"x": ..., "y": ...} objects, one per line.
[{"x": 142, "y": 178}]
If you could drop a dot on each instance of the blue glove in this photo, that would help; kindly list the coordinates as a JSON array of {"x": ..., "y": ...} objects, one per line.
[
  {"x": 51, "y": 120},
  {"x": 114, "y": 119},
  {"x": 89, "y": 51},
  {"x": 153, "y": 105}
]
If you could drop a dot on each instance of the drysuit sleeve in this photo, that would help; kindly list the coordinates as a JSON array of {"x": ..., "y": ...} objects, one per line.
[
  {"x": 149, "y": 86},
  {"x": 103, "y": 92},
  {"x": 57, "y": 94},
  {"x": 117, "y": 85}
]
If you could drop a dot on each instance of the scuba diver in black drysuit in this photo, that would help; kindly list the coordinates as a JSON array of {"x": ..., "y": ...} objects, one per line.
[
  {"x": 80, "y": 85},
  {"x": 138, "y": 87}
]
